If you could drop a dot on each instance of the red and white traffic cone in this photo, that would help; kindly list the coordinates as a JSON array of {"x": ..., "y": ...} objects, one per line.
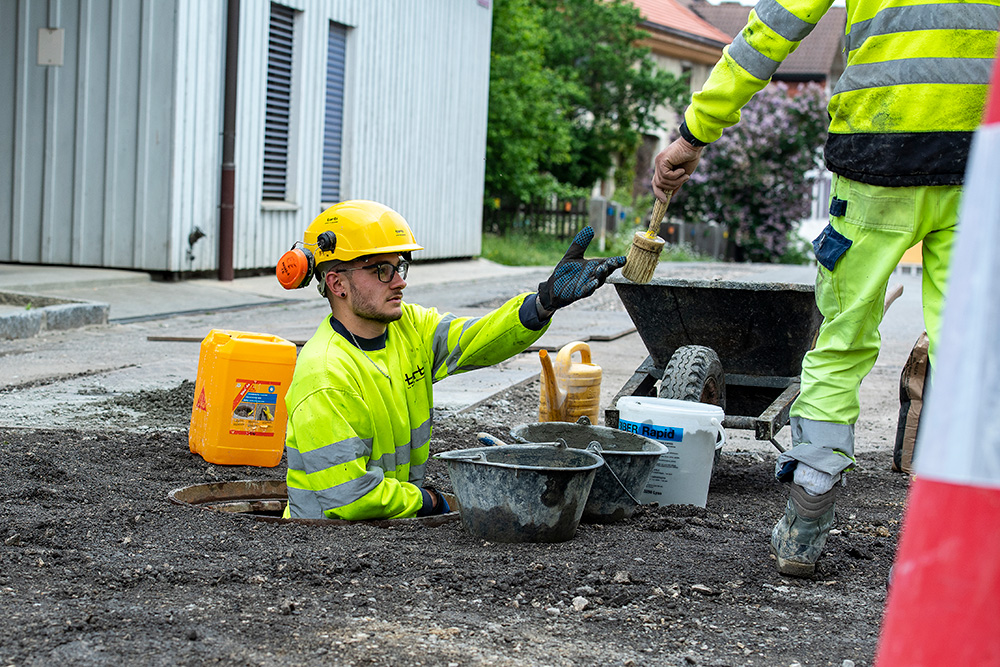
[{"x": 944, "y": 601}]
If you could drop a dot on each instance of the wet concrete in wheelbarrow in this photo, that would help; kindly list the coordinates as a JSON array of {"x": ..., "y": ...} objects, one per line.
[{"x": 99, "y": 567}]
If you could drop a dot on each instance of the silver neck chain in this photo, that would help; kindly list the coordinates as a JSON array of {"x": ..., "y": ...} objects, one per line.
[{"x": 358, "y": 345}]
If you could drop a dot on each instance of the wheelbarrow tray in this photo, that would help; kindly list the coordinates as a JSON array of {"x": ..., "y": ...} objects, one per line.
[{"x": 760, "y": 330}]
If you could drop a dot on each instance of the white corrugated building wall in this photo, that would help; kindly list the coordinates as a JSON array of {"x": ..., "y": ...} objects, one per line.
[{"x": 110, "y": 155}]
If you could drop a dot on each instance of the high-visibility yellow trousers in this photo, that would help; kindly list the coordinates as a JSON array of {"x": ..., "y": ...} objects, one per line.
[{"x": 856, "y": 256}]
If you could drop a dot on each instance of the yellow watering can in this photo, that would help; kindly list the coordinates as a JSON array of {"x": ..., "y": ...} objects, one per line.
[{"x": 569, "y": 389}]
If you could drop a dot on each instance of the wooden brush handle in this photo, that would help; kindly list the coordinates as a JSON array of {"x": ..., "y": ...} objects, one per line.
[{"x": 656, "y": 217}]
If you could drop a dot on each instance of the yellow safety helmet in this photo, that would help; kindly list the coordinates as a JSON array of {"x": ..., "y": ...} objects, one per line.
[
  {"x": 343, "y": 232},
  {"x": 362, "y": 228}
]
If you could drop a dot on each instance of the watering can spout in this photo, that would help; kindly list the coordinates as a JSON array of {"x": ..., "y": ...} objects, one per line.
[{"x": 551, "y": 401}]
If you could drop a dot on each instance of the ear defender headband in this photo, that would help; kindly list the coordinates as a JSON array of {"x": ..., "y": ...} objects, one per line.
[{"x": 295, "y": 268}]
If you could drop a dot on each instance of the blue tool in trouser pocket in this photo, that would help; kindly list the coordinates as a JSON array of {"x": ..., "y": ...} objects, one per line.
[{"x": 830, "y": 246}]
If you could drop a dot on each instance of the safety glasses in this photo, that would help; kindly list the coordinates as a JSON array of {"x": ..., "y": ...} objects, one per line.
[{"x": 384, "y": 270}]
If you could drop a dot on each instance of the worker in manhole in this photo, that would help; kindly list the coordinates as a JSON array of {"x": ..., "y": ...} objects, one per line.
[
  {"x": 360, "y": 401},
  {"x": 902, "y": 117}
]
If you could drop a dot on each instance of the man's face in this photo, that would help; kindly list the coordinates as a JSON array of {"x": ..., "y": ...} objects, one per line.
[{"x": 369, "y": 297}]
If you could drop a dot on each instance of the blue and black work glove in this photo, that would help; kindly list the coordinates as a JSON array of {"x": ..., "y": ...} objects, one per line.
[
  {"x": 575, "y": 277},
  {"x": 430, "y": 508}
]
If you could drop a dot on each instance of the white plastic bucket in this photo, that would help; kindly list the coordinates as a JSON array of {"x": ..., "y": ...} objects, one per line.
[{"x": 691, "y": 431}]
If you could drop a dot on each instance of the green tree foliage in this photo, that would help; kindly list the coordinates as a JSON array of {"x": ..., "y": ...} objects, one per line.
[
  {"x": 526, "y": 124},
  {"x": 570, "y": 90},
  {"x": 757, "y": 179},
  {"x": 615, "y": 85}
]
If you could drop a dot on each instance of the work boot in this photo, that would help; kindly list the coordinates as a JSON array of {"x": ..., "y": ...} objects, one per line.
[{"x": 799, "y": 537}]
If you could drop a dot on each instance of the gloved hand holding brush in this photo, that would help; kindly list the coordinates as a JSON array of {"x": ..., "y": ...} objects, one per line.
[{"x": 575, "y": 277}]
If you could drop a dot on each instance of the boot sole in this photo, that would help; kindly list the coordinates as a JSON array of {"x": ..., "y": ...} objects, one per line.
[{"x": 793, "y": 568}]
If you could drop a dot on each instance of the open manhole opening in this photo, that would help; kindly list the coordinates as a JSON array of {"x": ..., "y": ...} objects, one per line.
[{"x": 265, "y": 500}]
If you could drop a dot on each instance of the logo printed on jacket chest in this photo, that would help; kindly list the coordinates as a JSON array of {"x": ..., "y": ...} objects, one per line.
[{"x": 416, "y": 375}]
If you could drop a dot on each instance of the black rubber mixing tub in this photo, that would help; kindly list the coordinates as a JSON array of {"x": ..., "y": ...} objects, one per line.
[
  {"x": 756, "y": 328},
  {"x": 522, "y": 493},
  {"x": 629, "y": 460}
]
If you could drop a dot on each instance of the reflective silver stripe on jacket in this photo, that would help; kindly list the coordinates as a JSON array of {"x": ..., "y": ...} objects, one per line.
[
  {"x": 420, "y": 434},
  {"x": 947, "y": 16},
  {"x": 418, "y": 437},
  {"x": 915, "y": 71},
  {"x": 417, "y": 474},
  {"x": 401, "y": 455},
  {"x": 782, "y": 21},
  {"x": 352, "y": 449},
  {"x": 304, "y": 505},
  {"x": 327, "y": 456},
  {"x": 753, "y": 61},
  {"x": 310, "y": 504},
  {"x": 442, "y": 355}
]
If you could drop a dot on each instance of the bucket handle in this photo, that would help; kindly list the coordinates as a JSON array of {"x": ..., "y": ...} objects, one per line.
[
  {"x": 722, "y": 433},
  {"x": 478, "y": 456},
  {"x": 595, "y": 448},
  {"x": 493, "y": 441}
]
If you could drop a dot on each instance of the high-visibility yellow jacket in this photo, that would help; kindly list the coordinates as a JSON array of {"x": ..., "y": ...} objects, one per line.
[
  {"x": 359, "y": 420},
  {"x": 903, "y": 112}
]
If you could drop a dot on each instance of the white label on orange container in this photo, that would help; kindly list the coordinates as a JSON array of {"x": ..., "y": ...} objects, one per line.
[{"x": 254, "y": 407}]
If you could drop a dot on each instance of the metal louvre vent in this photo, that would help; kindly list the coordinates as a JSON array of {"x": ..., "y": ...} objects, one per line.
[
  {"x": 334, "y": 113},
  {"x": 281, "y": 37}
]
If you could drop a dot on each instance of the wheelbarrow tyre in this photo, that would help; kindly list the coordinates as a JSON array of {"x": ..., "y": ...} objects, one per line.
[{"x": 694, "y": 373}]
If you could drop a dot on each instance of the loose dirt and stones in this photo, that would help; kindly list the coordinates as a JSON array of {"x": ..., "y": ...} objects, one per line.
[{"x": 98, "y": 568}]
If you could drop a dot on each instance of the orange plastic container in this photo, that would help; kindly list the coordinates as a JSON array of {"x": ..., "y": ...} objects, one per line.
[{"x": 238, "y": 417}]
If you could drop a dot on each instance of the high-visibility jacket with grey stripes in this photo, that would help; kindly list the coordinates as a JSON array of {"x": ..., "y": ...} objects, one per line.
[
  {"x": 357, "y": 441},
  {"x": 905, "y": 108}
]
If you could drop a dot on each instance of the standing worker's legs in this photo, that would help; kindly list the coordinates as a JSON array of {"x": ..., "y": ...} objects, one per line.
[
  {"x": 936, "y": 257},
  {"x": 857, "y": 254}
]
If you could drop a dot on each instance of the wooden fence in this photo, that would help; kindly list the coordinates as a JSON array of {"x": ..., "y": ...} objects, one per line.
[{"x": 563, "y": 220}]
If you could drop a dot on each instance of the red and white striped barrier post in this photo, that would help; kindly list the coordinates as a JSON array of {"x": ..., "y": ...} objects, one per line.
[{"x": 944, "y": 602}]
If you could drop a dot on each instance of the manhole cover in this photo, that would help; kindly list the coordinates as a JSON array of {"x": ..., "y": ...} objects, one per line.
[{"x": 265, "y": 500}]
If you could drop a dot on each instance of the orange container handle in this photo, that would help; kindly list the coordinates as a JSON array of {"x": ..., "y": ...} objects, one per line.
[{"x": 268, "y": 338}]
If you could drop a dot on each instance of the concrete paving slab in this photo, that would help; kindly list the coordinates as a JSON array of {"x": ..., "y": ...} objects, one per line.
[{"x": 59, "y": 377}]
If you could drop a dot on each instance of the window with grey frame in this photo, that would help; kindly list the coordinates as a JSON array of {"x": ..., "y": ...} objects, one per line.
[
  {"x": 333, "y": 117},
  {"x": 278, "y": 108}
]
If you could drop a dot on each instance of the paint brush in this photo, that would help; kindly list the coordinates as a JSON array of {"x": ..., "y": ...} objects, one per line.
[{"x": 644, "y": 253}]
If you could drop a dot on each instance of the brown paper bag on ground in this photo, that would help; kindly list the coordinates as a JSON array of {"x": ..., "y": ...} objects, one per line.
[{"x": 912, "y": 386}]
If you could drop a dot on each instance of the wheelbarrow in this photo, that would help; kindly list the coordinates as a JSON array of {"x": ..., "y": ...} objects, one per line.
[{"x": 738, "y": 345}]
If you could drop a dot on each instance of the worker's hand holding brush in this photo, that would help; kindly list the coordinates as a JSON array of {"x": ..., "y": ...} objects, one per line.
[
  {"x": 575, "y": 277},
  {"x": 674, "y": 166}
]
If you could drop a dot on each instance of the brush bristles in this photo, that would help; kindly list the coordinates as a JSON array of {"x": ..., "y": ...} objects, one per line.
[{"x": 642, "y": 258}]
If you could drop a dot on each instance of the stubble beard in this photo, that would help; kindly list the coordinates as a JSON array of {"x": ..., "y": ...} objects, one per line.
[{"x": 366, "y": 308}]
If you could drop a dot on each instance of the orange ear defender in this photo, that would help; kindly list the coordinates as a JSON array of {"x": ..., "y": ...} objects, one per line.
[{"x": 295, "y": 268}]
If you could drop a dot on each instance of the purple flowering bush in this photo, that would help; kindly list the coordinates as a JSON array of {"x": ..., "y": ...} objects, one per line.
[{"x": 757, "y": 179}]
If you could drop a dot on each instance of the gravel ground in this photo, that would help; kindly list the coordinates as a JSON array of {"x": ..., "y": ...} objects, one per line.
[{"x": 99, "y": 568}]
